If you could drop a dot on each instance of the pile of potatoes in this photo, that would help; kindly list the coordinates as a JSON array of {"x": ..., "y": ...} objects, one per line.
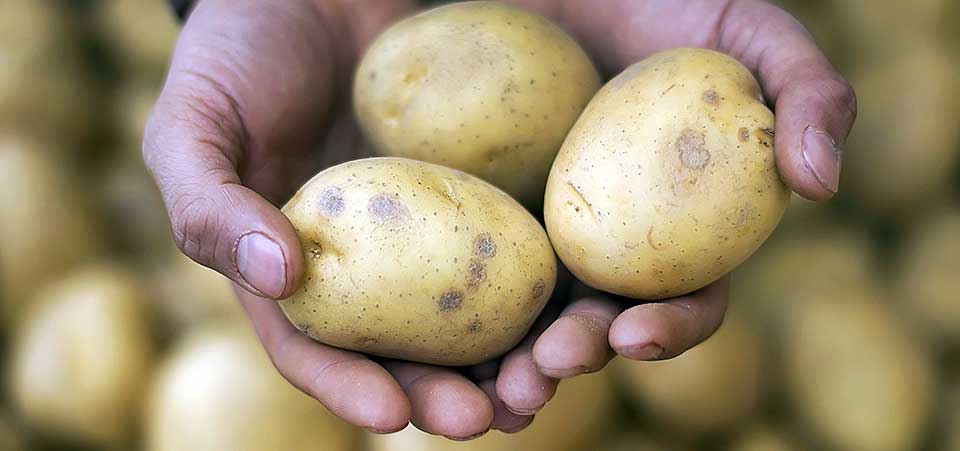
[{"x": 500, "y": 159}]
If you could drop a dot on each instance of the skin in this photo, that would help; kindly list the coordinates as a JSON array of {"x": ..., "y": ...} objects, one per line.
[{"x": 235, "y": 132}]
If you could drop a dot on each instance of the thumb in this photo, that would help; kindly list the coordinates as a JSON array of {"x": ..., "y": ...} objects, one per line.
[{"x": 194, "y": 140}]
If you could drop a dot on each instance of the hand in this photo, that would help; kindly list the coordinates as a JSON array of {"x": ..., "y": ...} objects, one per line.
[
  {"x": 252, "y": 107},
  {"x": 815, "y": 109}
]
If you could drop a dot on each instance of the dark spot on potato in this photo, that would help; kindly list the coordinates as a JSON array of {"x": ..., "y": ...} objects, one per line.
[
  {"x": 384, "y": 207},
  {"x": 477, "y": 273},
  {"x": 366, "y": 341},
  {"x": 484, "y": 246},
  {"x": 331, "y": 201},
  {"x": 450, "y": 301},
  {"x": 691, "y": 146},
  {"x": 474, "y": 326},
  {"x": 711, "y": 97},
  {"x": 743, "y": 134},
  {"x": 538, "y": 288}
]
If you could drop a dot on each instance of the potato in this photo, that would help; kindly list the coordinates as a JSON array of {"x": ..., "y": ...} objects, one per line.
[
  {"x": 857, "y": 377},
  {"x": 47, "y": 225},
  {"x": 188, "y": 294},
  {"x": 411, "y": 260},
  {"x": 904, "y": 88},
  {"x": 81, "y": 357},
  {"x": 708, "y": 388},
  {"x": 219, "y": 391},
  {"x": 815, "y": 256},
  {"x": 143, "y": 33},
  {"x": 763, "y": 437},
  {"x": 667, "y": 181},
  {"x": 574, "y": 420},
  {"x": 633, "y": 441},
  {"x": 44, "y": 85},
  {"x": 483, "y": 87},
  {"x": 927, "y": 280},
  {"x": 10, "y": 437}
]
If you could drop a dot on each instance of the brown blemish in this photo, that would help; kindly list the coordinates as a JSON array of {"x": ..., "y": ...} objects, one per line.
[
  {"x": 477, "y": 273},
  {"x": 668, "y": 90},
  {"x": 691, "y": 146},
  {"x": 484, "y": 246},
  {"x": 474, "y": 326},
  {"x": 650, "y": 239},
  {"x": 538, "y": 288},
  {"x": 450, "y": 301},
  {"x": 711, "y": 97},
  {"x": 366, "y": 341},
  {"x": 743, "y": 134},
  {"x": 384, "y": 207},
  {"x": 331, "y": 201}
]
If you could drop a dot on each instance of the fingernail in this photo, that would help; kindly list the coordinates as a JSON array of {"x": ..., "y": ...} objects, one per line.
[
  {"x": 650, "y": 351},
  {"x": 524, "y": 412},
  {"x": 261, "y": 264},
  {"x": 464, "y": 439},
  {"x": 822, "y": 156}
]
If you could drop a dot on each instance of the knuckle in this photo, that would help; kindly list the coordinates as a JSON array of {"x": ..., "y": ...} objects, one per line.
[{"x": 197, "y": 227}]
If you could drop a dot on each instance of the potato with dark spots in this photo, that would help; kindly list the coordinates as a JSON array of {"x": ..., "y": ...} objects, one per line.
[
  {"x": 668, "y": 179},
  {"x": 415, "y": 261},
  {"x": 483, "y": 87}
]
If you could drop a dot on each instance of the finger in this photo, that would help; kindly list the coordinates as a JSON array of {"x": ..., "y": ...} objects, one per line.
[
  {"x": 443, "y": 402},
  {"x": 503, "y": 419},
  {"x": 663, "y": 330},
  {"x": 577, "y": 342},
  {"x": 350, "y": 385},
  {"x": 815, "y": 106},
  {"x": 520, "y": 385}
]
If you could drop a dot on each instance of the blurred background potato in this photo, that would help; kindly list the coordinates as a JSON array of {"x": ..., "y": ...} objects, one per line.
[{"x": 843, "y": 333}]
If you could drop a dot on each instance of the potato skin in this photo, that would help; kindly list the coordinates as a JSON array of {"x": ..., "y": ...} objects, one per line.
[
  {"x": 411, "y": 260},
  {"x": 483, "y": 87},
  {"x": 668, "y": 179}
]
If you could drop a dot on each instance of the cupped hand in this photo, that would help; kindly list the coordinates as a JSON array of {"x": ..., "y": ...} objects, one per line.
[
  {"x": 256, "y": 101},
  {"x": 815, "y": 109}
]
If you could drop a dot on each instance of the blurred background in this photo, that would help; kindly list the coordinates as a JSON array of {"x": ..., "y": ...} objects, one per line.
[{"x": 843, "y": 334}]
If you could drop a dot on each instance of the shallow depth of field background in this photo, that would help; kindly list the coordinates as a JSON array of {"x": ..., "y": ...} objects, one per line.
[{"x": 843, "y": 333}]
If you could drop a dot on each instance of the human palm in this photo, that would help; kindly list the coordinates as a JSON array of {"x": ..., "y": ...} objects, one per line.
[{"x": 257, "y": 100}]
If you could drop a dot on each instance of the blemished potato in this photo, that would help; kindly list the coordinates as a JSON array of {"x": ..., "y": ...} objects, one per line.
[
  {"x": 857, "y": 376},
  {"x": 47, "y": 225},
  {"x": 713, "y": 386},
  {"x": 667, "y": 181},
  {"x": 81, "y": 358},
  {"x": 763, "y": 437},
  {"x": 576, "y": 419},
  {"x": 411, "y": 260},
  {"x": 928, "y": 278},
  {"x": 219, "y": 391},
  {"x": 880, "y": 154},
  {"x": 483, "y": 87}
]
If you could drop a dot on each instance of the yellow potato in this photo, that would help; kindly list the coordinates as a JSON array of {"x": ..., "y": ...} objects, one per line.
[
  {"x": 143, "y": 33},
  {"x": 708, "y": 388},
  {"x": 412, "y": 260},
  {"x": 898, "y": 161},
  {"x": 10, "y": 437},
  {"x": 218, "y": 391},
  {"x": 47, "y": 225},
  {"x": 81, "y": 358},
  {"x": 668, "y": 179},
  {"x": 574, "y": 420},
  {"x": 187, "y": 294},
  {"x": 856, "y": 375},
  {"x": 763, "y": 437},
  {"x": 483, "y": 87},
  {"x": 928, "y": 277}
]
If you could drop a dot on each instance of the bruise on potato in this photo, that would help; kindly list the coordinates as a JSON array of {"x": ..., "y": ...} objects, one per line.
[
  {"x": 384, "y": 207},
  {"x": 331, "y": 201},
  {"x": 484, "y": 246},
  {"x": 450, "y": 300},
  {"x": 691, "y": 146}
]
